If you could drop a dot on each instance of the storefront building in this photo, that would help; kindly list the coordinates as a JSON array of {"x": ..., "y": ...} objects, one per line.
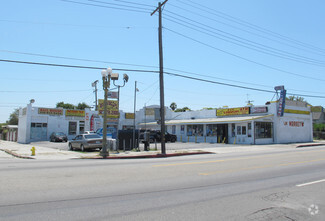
[{"x": 242, "y": 125}]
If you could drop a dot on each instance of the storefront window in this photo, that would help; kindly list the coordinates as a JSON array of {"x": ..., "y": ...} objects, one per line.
[
  {"x": 238, "y": 130},
  {"x": 263, "y": 130},
  {"x": 249, "y": 129},
  {"x": 211, "y": 130},
  {"x": 194, "y": 130},
  {"x": 72, "y": 128},
  {"x": 81, "y": 127},
  {"x": 243, "y": 130}
]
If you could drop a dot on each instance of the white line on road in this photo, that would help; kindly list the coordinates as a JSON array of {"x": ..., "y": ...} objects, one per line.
[{"x": 310, "y": 183}]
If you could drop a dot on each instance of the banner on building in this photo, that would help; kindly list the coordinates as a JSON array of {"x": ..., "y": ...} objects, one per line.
[
  {"x": 75, "y": 113},
  {"x": 129, "y": 115},
  {"x": 112, "y": 108},
  {"x": 50, "y": 111},
  {"x": 150, "y": 111},
  {"x": 233, "y": 111},
  {"x": 258, "y": 110}
]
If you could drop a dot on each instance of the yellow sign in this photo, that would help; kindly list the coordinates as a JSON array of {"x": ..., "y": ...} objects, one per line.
[
  {"x": 233, "y": 111},
  {"x": 74, "y": 113},
  {"x": 150, "y": 111},
  {"x": 290, "y": 111},
  {"x": 112, "y": 108},
  {"x": 316, "y": 109},
  {"x": 50, "y": 111},
  {"x": 129, "y": 115}
]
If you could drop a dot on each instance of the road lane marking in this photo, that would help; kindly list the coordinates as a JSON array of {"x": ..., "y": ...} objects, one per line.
[
  {"x": 231, "y": 159},
  {"x": 310, "y": 183},
  {"x": 258, "y": 167}
]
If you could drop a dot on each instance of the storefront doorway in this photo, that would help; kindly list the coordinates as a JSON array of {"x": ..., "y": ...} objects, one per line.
[
  {"x": 222, "y": 133},
  {"x": 241, "y": 133}
]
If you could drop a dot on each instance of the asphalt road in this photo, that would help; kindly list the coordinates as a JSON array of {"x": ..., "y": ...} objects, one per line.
[{"x": 278, "y": 185}]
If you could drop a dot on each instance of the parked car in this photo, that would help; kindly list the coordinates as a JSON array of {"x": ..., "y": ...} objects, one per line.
[
  {"x": 58, "y": 136},
  {"x": 168, "y": 137},
  {"x": 89, "y": 132},
  {"x": 86, "y": 141}
]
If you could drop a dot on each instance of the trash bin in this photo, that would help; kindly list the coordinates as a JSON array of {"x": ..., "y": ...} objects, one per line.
[
  {"x": 111, "y": 143},
  {"x": 146, "y": 141}
]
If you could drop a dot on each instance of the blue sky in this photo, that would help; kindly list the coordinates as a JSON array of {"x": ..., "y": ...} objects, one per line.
[{"x": 254, "y": 43}]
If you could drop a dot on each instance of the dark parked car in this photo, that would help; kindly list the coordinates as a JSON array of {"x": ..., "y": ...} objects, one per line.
[
  {"x": 58, "y": 136},
  {"x": 155, "y": 135},
  {"x": 86, "y": 141}
]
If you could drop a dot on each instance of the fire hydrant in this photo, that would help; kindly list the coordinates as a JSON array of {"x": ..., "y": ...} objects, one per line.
[{"x": 33, "y": 151}]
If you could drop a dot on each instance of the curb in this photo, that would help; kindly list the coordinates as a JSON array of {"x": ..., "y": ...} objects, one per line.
[
  {"x": 148, "y": 156},
  {"x": 310, "y": 145},
  {"x": 15, "y": 154}
]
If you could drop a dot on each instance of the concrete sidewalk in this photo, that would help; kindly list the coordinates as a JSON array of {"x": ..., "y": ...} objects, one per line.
[{"x": 9, "y": 150}]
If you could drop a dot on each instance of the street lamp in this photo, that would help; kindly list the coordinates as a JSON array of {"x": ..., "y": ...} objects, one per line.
[
  {"x": 125, "y": 80},
  {"x": 106, "y": 76}
]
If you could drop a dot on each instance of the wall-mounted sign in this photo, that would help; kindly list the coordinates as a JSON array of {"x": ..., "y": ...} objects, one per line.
[
  {"x": 258, "y": 110},
  {"x": 233, "y": 111},
  {"x": 112, "y": 108},
  {"x": 74, "y": 113},
  {"x": 316, "y": 109},
  {"x": 129, "y": 115},
  {"x": 294, "y": 123},
  {"x": 50, "y": 111},
  {"x": 290, "y": 111},
  {"x": 150, "y": 111},
  {"x": 282, "y": 102}
]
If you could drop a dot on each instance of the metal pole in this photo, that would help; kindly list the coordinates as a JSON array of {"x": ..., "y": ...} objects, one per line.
[
  {"x": 104, "y": 151},
  {"x": 135, "y": 100},
  {"x": 96, "y": 106},
  {"x": 118, "y": 122}
]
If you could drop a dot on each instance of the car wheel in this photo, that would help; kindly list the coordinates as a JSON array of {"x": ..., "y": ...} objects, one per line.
[
  {"x": 70, "y": 147},
  {"x": 82, "y": 148},
  {"x": 173, "y": 140}
]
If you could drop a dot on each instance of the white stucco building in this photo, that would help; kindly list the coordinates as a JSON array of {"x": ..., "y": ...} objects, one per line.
[{"x": 243, "y": 125}]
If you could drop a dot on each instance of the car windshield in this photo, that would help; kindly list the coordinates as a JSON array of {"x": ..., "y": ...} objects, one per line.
[
  {"x": 92, "y": 136},
  {"x": 60, "y": 134}
]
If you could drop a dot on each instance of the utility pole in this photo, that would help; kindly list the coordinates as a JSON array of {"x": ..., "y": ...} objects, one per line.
[
  {"x": 94, "y": 84},
  {"x": 161, "y": 79}
]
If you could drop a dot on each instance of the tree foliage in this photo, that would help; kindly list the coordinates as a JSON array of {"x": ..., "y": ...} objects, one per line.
[
  {"x": 65, "y": 105},
  {"x": 173, "y": 106},
  {"x": 184, "y": 109},
  {"x": 82, "y": 106},
  {"x": 13, "y": 118}
]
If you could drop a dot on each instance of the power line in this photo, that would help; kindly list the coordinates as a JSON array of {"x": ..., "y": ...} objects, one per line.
[
  {"x": 104, "y": 6},
  {"x": 223, "y": 15},
  {"x": 243, "y": 58},
  {"x": 127, "y": 6},
  {"x": 217, "y": 33},
  {"x": 151, "y": 71}
]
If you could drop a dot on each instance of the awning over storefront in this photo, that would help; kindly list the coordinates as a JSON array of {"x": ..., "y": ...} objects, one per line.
[{"x": 220, "y": 120}]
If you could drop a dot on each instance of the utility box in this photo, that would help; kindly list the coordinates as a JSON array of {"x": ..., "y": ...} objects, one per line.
[{"x": 126, "y": 139}]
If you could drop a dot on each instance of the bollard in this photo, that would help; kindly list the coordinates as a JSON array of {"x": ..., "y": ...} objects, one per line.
[
  {"x": 235, "y": 141},
  {"x": 224, "y": 140},
  {"x": 33, "y": 151},
  {"x": 188, "y": 139}
]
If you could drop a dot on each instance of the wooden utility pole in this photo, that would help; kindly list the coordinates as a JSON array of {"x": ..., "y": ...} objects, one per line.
[{"x": 161, "y": 80}]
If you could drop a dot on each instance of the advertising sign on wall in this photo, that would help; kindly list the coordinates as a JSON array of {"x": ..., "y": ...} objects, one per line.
[
  {"x": 282, "y": 102},
  {"x": 74, "y": 113},
  {"x": 150, "y": 111},
  {"x": 233, "y": 111},
  {"x": 50, "y": 111},
  {"x": 112, "y": 108},
  {"x": 258, "y": 110},
  {"x": 129, "y": 115}
]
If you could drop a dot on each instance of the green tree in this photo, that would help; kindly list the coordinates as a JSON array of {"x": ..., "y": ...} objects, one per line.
[
  {"x": 173, "y": 106},
  {"x": 82, "y": 106},
  {"x": 13, "y": 119},
  {"x": 184, "y": 109},
  {"x": 65, "y": 105}
]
